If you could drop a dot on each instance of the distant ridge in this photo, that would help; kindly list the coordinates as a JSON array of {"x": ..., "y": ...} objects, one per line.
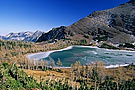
[
  {"x": 34, "y": 37},
  {"x": 23, "y": 36}
]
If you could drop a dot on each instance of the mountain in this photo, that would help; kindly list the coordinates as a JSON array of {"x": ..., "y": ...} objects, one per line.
[
  {"x": 0, "y": 37},
  {"x": 17, "y": 36},
  {"x": 115, "y": 25},
  {"x": 23, "y": 36},
  {"x": 34, "y": 37},
  {"x": 55, "y": 33}
]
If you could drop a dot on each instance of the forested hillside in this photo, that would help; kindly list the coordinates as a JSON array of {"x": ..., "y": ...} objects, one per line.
[{"x": 16, "y": 51}]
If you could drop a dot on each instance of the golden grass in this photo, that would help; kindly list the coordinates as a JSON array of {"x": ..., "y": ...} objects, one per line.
[
  {"x": 52, "y": 75},
  {"x": 46, "y": 75}
]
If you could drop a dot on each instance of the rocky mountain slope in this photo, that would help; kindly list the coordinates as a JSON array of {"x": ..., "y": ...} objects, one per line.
[
  {"x": 34, "y": 37},
  {"x": 23, "y": 36},
  {"x": 55, "y": 33},
  {"x": 116, "y": 25}
]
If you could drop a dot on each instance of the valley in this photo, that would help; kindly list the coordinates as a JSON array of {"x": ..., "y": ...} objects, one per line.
[{"x": 95, "y": 53}]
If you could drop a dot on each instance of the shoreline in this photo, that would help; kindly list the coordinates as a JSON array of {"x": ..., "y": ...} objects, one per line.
[
  {"x": 46, "y": 54},
  {"x": 107, "y": 67},
  {"x": 35, "y": 56}
]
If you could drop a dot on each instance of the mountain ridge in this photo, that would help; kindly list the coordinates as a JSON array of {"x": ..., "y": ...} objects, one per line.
[
  {"x": 23, "y": 36},
  {"x": 110, "y": 25}
]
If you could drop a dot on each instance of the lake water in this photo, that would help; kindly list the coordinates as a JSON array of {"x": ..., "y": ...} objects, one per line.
[
  {"x": 90, "y": 55},
  {"x": 87, "y": 55}
]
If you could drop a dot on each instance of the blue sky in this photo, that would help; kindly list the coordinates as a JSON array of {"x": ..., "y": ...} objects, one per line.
[{"x": 32, "y": 15}]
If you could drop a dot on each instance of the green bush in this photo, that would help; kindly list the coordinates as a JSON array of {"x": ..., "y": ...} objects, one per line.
[
  {"x": 128, "y": 45},
  {"x": 86, "y": 36},
  {"x": 13, "y": 79},
  {"x": 108, "y": 46},
  {"x": 83, "y": 42}
]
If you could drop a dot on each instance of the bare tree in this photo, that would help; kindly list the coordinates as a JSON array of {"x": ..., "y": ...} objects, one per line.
[
  {"x": 59, "y": 63},
  {"x": 52, "y": 62},
  {"x": 42, "y": 64},
  {"x": 32, "y": 64},
  {"x": 45, "y": 64},
  {"x": 77, "y": 70},
  {"x": 36, "y": 64}
]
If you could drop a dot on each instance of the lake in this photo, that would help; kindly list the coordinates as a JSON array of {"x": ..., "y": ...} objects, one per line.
[{"x": 88, "y": 55}]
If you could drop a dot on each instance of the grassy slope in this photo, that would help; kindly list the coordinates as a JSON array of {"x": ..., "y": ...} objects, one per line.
[{"x": 123, "y": 72}]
